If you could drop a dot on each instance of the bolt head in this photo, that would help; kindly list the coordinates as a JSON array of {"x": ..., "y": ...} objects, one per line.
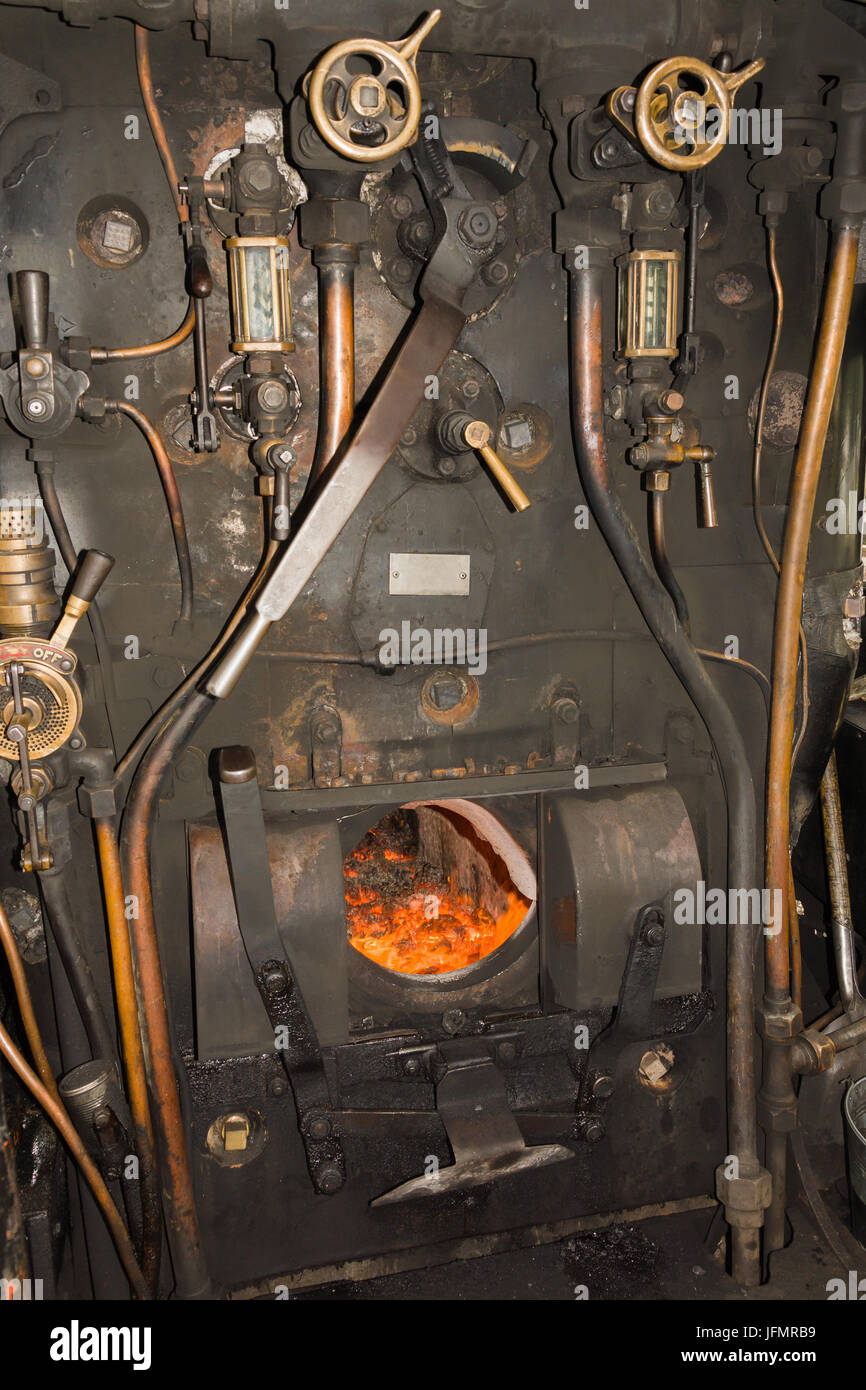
[
  {"x": 275, "y": 979},
  {"x": 329, "y": 1178},
  {"x": 453, "y": 1020}
]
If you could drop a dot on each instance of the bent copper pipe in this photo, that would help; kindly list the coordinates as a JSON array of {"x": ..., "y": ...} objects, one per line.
[
  {"x": 131, "y": 1042},
  {"x": 586, "y": 337},
  {"x": 180, "y": 335},
  {"x": 184, "y": 1239},
  {"x": 172, "y": 497},
  {"x": 777, "y": 1085},
  {"x": 336, "y": 268}
]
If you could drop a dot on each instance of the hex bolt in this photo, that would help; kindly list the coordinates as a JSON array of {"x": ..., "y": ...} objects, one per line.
[
  {"x": 329, "y": 1178},
  {"x": 400, "y": 205},
  {"x": 566, "y": 709},
  {"x": 409, "y": 437},
  {"x": 453, "y": 1020},
  {"x": 446, "y": 466},
  {"x": 273, "y": 395},
  {"x": 277, "y": 1086},
  {"x": 412, "y": 1066},
  {"x": 593, "y": 1131},
  {"x": 495, "y": 273},
  {"x": 476, "y": 227},
  {"x": 602, "y": 1087},
  {"x": 318, "y": 1126},
  {"x": 401, "y": 269},
  {"x": 275, "y": 979}
]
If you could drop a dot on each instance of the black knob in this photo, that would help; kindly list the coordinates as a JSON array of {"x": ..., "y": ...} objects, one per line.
[
  {"x": 93, "y": 569},
  {"x": 32, "y": 286}
]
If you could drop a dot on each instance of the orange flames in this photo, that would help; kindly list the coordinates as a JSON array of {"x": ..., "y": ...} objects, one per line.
[{"x": 409, "y": 917}]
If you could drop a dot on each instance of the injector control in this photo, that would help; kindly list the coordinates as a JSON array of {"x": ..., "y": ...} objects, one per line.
[{"x": 39, "y": 384}]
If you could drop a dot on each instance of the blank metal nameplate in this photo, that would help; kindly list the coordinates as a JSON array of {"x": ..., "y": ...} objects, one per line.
[{"x": 428, "y": 574}]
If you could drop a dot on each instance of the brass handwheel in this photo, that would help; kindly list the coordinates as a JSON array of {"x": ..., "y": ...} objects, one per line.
[
  {"x": 672, "y": 106},
  {"x": 350, "y": 107}
]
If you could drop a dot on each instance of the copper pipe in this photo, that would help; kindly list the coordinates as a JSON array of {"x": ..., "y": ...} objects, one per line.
[
  {"x": 181, "y": 1218},
  {"x": 777, "y": 1087},
  {"x": 172, "y": 497},
  {"x": 133, "y": 1053},
  {"x": 336, "y": 353},
  {"x": 61, "y": 1121},
  {"x": 792, "y": 577},
  {"x": 180, "y": 335},
  {"x": 25, "y": 1006},
  {"x": 145, "y": 82}
]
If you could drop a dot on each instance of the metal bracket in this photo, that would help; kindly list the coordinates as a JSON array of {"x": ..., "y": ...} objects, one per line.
[
  {"x": 294, "y": 1035},
  {"x": 484, "y": 1135},
  {"x": 635, "y": 1018}
]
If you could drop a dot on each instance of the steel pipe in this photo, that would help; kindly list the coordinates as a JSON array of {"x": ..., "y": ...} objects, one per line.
[{"x": 586, "y": 338}]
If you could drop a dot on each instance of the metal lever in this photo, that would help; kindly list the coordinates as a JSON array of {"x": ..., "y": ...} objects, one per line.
[
  {"x": 16, "y": 732},
  {"x": 199, "y": 281},
  {"x": 93, "y": 569},
  {"x": 32, "y": 287},
  {"x": 458, "y": 431},
  {"x": 703, "y": 456}
]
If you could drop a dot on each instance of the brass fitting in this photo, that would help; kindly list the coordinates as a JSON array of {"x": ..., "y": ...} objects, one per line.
[{"x": 28, "y": 602}]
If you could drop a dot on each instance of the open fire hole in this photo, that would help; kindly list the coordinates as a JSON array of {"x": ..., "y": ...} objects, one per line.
[{"x": 428, "y": 894}]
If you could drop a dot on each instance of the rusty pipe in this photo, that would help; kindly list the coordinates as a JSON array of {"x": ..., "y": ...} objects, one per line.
[
  {"x": 181, "y": 1218},
  {"x": 586, "y": 339},
  {"x": 336, "y": 270},
  {"x": 172, "y": 497},
  {"x": 133, "y": 1052}
]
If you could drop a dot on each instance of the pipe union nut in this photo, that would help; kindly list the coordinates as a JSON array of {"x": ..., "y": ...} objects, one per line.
[
  {"x": 780, "y": 1022},
  {"x": 816, "y": 1050},
  {"x": 746, "y": 1195}
]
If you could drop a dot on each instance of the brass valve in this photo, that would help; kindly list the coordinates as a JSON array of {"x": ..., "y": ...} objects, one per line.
[
  {"x": 681, "y": 101},
  {"x": 660, "y": 452},
  {"x": 349, "y": 106}
]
